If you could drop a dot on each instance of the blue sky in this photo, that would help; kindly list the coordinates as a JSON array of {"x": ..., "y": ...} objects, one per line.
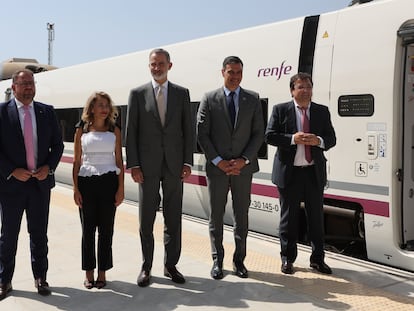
[{"x": 89, "y": 30}]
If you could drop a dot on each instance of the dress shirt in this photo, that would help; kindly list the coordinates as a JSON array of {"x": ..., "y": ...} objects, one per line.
[
  {"x": 156, "y": 85},
  {"x": 300, "y": 159}
]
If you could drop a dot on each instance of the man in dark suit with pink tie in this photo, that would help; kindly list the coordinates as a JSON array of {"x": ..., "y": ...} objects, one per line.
[
  {"x": 301, "y": 130},
  {"x": 30, "y": 149}
]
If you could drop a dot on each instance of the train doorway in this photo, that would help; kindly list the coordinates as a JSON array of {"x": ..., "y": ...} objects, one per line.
[{"x": 407, "y": 34}]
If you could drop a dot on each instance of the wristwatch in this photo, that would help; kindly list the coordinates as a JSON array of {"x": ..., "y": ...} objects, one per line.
[
  {"x": 246, "y": 161},
  {"x": 51, "y": 172}
]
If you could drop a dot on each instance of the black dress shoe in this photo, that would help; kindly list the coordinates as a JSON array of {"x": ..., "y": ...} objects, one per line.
[
  {"x": 287, "y": 267},
  {"x": 42, "y": 287},
  {"x": 4, "y": 290},
  {"x": 322, "y": 267},
  {"x": 217, "y": 271},
  {"x": 240, "y": 270},
  {"x": 174, "y": 275},
  {"x": 144, "y": 278}
]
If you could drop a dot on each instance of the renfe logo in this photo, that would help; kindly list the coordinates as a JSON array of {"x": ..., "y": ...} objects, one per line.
[{"x": 275, "y": 71}]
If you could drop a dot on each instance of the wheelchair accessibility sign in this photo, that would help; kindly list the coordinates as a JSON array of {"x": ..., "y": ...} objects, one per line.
[{"x": 361, "y": 169}]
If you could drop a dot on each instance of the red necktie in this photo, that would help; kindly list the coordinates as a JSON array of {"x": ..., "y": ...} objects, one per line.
[
  {"x": 305, "y": 129},
  {"x": 28, "y": 139}
]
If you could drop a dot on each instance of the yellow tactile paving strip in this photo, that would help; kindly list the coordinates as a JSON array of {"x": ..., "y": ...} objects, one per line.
[{"x": 331, "y": 292}]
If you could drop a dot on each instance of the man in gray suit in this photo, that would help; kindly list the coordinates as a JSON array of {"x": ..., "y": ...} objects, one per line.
[
  {"x": 159, "y": 149},
  {"x": 230, "y": 130}
]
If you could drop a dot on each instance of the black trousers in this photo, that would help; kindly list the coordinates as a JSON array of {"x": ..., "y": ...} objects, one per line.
[
  {"x": 34, "y": 200},
  {"x": 303, "y": 188},
  {"x": 97, "y": 212}
]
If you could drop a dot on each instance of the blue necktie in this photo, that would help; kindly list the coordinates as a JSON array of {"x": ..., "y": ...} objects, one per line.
[{"x": 232, "y": 108}]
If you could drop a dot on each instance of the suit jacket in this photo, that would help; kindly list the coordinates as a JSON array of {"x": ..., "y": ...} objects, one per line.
[
  {"x": 217, "y": 136},
  {"x": 12, "y": 149},
  {"x": 282, "y": 125},
  {"x": 148, "y": 142}
]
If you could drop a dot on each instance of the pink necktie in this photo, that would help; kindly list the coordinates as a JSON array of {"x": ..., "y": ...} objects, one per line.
[
  {"x": 28, "y": 139},
  {"x": 305, "y": 129}
]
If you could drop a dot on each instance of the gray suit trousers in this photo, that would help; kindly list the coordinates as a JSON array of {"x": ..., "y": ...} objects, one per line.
[
  {"x": 149, "y": 202},
  {"x": 240, "y": 187}
]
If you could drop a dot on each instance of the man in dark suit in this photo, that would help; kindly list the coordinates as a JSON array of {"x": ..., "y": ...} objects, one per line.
[
  {"x": 26, "y": 178},
  {"x": 159, "y": 148},
  {"x": 299, "y": 168},
  {"x": 230, "y": 131}
]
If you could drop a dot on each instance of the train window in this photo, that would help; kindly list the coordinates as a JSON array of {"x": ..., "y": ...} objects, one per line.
[
  {"x": 356, "y": 105},
  {"x": 194, "y": 109},
  {"x": 121, "y": 121},
  {"x": 308, "y": 42},
  {"x": 262, "y": 154},
  {"x": 68, "y": 118}
]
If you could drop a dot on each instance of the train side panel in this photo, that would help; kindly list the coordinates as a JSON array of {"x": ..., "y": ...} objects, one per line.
[{"x": 358, "y": 71}]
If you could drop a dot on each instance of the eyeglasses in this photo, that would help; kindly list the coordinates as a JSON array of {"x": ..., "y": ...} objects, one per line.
[
  {"x": 303, "y": 87},
  {"x": 25, "y": 83}
]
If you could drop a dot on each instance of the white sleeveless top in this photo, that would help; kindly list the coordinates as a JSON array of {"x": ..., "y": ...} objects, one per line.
[{"x": 98, "y": 154}]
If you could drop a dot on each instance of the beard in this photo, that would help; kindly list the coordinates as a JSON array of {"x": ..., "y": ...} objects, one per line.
[
  {"x": 160, "y": 76},
  {"x": 27, "y": 96}
]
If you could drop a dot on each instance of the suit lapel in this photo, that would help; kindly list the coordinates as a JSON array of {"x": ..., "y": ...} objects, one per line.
[
  {"x": 40, "y": 124},
  {"x": 313, "y": 118},
  {"x": 15, "y": 120},
  {"x": 222, "y": 100},
  {"x": 291, "y": 116},
  {"x": 151, "y": 101},
  {"x": 171, "y": 98},
  {"x": 16, "y": 131},
  {"x": 242, "y": 108}
]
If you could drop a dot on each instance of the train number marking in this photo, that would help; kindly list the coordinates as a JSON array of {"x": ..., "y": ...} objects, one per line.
[{"x": 264, "y": 206}]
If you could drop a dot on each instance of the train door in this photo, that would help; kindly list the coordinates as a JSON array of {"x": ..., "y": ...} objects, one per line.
[{"x": 408, "y": 142}]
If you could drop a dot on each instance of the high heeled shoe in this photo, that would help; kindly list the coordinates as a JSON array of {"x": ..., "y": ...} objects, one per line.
[
  {"x": 88, "y": 284},
  {"x": 100, "y": 284}
]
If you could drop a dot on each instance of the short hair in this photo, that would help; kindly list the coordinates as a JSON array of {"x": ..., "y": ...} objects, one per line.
[
  {"x": 87, "y": 116},
  {"x": 300, "y": 76},
  {"x": 18, "y": 72},
  {"x": 232, "y": 60},
  {"x": 161, "y": 51}
]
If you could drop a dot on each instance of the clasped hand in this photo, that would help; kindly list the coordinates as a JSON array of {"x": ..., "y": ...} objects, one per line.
[
  {"x": 232, "y": 167},
  {"x": 24, "y": 174},
  {"x": 302, "y": 138}
]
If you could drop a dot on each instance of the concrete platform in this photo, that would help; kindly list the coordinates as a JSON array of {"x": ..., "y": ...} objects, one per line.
[{"x": 354, "y": 285}]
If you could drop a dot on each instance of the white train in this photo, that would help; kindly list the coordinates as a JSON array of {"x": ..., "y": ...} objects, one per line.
[{"x": 362, "y": 62}]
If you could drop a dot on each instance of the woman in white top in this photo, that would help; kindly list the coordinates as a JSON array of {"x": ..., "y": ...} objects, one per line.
[{"x": 98, "y": 183}]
